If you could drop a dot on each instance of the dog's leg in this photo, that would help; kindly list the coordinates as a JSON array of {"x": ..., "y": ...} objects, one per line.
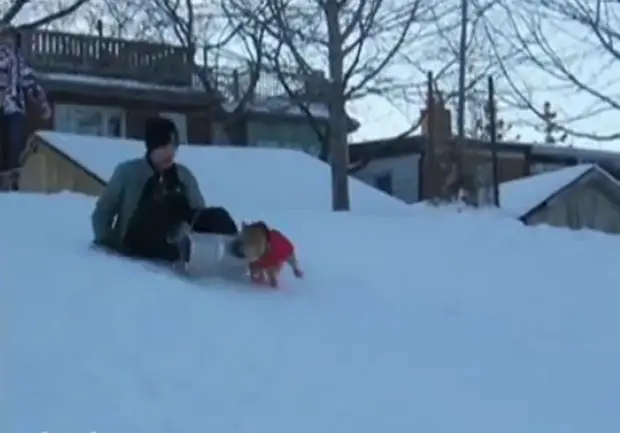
[
  {"x": 292, "y": 261},
  {"x": 257, "y": 275},
  {"x": 272, "y": 275}
]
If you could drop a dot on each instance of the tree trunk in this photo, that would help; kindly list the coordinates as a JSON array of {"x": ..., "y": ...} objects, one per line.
[{"x": 339, "y": 151}]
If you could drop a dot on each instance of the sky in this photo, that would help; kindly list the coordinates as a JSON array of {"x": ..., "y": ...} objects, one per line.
[
  {"x": 579, "y": 51},
  {"x": 380, "y": 119}
]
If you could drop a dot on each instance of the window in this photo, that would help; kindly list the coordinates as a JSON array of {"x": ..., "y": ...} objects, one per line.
[
  {"x": 181, "y": 123},
  {"x": 310, "y": 149},
  {"x": 219, "y": 136},
  {"x": 384, "y": 183},
  {"x": 544, "y": 168},
  {"x": 89, "y": 120}
]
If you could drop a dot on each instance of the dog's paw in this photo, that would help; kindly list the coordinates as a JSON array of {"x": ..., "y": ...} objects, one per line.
[{"x": 257, "y": 277}]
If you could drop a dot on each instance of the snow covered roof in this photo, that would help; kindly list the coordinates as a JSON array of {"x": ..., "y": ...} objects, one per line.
[
  {"x": 109, "y": 82},
  {"x": 281, "y": 105},
  {"x": 520, "y": 196},
  {"x": 266, "y": 178},
  {"x": 273, "y": 105}
]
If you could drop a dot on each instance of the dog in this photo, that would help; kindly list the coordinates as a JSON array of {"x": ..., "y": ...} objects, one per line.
[{"x": 267, "y": 250}]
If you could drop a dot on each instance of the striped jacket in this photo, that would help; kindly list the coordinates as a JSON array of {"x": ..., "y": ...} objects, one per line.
[{"x": 17, "y": 80}]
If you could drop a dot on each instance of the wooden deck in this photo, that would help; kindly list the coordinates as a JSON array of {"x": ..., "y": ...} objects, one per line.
[
  {"x": 146, "y": 62},
  {"x": 59, "y": 52}
]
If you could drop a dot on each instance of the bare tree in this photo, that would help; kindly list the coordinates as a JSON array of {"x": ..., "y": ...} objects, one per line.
[
  {"x": 479, "y": 120},
  {"x": 31, "y": 14},
  {"x": 487, "y": 125},
  {"x": 357, "y": 42},
  {"x": 461, "y": 53},
  {"x": 125, "y": 19},
  {"x": 143, "y": 20},
  {"x": 553, "y": 133},
  {"x": 567, "y": 47},
  {"x": 226, "y": 63}
]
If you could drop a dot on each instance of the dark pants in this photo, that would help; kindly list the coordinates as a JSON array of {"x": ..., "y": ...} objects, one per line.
[
  {"x": 12, "y": 138},
  {"x": 12, "y": 144},
  {"x": 215, "y": 220},
  {"x": 150, "y": 243},
  {"x": 212, "y": 220}
]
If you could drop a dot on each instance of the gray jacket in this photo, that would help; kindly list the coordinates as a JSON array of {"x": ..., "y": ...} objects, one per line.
[{"x": 118, "y": 201}]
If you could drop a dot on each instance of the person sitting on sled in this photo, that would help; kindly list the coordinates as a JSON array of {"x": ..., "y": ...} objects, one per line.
[{"x": 148, "y": 199}]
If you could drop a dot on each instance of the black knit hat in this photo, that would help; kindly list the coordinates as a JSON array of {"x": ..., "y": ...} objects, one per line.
[{"x": 159, "y": 132}]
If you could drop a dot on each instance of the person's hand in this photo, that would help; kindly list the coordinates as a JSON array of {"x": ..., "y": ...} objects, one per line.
[{"x": 46, "y": 112}]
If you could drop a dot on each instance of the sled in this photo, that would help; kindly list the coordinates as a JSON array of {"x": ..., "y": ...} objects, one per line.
[{"x": 208, "y": 261}]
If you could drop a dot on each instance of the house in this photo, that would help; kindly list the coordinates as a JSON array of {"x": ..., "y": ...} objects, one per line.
[
  {"x": 397, "y": 166},
  {"x": 107, "y": 87},
  {"x": 262, "y": 178},
  {"x": 581, "y": 196}
]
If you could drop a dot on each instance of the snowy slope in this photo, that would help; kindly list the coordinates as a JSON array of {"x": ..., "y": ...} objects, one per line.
[
  {"x": 272, "y": 178},
  {"x": 517, "y": 334}
]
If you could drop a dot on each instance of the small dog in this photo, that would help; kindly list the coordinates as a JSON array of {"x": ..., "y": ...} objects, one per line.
[{"x": 267, "y": 250}]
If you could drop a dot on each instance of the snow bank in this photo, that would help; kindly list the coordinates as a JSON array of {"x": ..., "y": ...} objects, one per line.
[{"x": 447, "y": 325}]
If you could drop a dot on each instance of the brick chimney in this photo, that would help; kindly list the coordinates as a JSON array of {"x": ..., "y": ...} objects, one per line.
[
  {"x": 442, "y": 120},
  {"x": 434, "y": 170}
]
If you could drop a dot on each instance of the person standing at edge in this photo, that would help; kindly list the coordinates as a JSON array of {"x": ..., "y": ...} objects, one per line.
[
  {"x": 148, "y": 199},
  {"x": 17, "y": 80}
]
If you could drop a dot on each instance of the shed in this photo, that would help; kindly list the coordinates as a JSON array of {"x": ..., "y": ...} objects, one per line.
[
  {"x": 577, "y": 197},
  {"x": 48, "y": 168}
]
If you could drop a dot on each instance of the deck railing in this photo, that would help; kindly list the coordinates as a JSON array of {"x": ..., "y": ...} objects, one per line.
[
  {"x": 146, "y": 62},
  {"x": 58, "y": 52}
]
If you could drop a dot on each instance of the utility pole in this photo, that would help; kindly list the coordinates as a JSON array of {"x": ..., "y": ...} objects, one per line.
[
  {"x": 493, "y": 134},
  {"x": 461, "y": 92}
]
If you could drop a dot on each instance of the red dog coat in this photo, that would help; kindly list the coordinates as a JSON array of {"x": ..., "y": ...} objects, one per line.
[{"x": 280, "y": 250}]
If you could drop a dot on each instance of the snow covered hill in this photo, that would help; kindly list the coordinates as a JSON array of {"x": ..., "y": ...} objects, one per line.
[{"x": 434, "y": 323}]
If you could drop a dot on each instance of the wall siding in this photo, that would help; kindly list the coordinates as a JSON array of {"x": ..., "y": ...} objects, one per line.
[
  {"x": 405, "y": 172},
  {"x": 512, "y": 165},
  {"x": 46, "y": 171},
  {"x": 583, "y": 206}
]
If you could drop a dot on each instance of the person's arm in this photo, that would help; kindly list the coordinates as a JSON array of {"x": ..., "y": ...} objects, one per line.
[
  {"x": 34, "y": 90},
  {"x": 194, "y": 196},
  {"x": 107, "y": 207}
]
